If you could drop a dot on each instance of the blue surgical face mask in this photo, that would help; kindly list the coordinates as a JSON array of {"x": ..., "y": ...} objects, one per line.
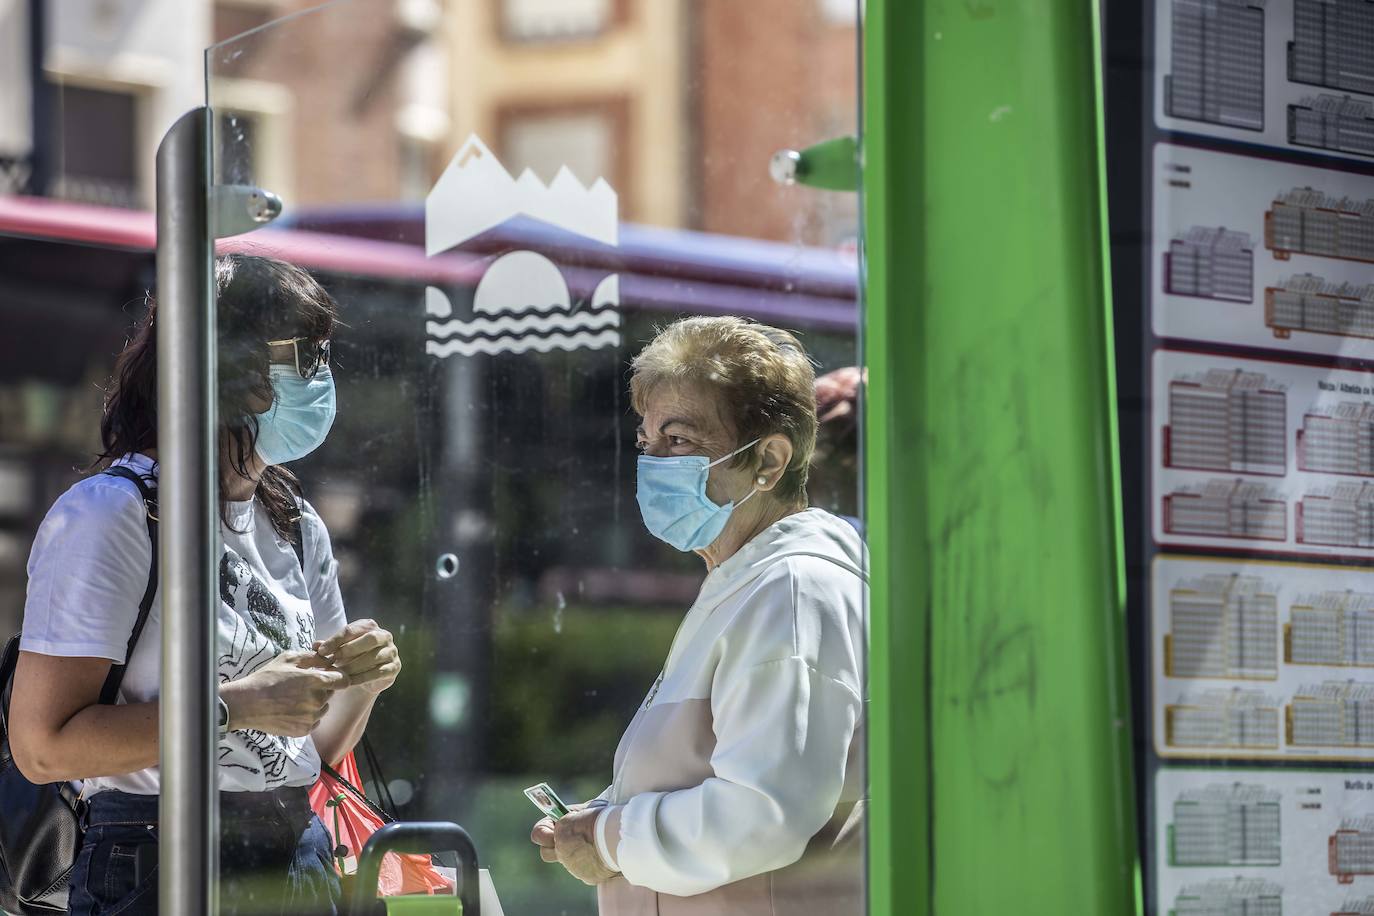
[
  {"x": 301, "y": 414},
  {"x": 673, "y": 501}
]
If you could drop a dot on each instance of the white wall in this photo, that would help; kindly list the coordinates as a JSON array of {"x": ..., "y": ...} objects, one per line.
[
  {"x": 16, "y": 116},
  {"x": 154, "y": 47}
]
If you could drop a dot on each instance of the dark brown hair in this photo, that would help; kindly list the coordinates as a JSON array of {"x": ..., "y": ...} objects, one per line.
[{"x": 257, "y": 299}]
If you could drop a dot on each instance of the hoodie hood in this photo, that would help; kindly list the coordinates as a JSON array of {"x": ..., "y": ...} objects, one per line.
[{"x": 809, "y": 533}]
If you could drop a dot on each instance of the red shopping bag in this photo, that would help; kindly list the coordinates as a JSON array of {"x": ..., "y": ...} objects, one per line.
[{"x": 351, "y": 819}]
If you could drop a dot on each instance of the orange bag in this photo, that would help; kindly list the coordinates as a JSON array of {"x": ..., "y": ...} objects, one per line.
[{"x": 351, "y": 819}]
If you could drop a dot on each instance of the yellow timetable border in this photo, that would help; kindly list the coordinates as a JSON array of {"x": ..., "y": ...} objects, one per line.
[{"x": 1237, "y": 753}]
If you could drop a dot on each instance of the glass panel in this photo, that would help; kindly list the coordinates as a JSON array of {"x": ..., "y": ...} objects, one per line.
[{"x": 502, "y": 227}]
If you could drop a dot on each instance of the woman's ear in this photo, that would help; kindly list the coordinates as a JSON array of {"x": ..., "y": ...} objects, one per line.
[{"x": 775, "y": 454}]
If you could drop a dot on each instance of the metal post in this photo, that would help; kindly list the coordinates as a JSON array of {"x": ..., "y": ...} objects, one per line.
[
  {"x": 188, "y": 852},
  {"x": 999, "y": 725},
  {"x": 41, "y": 164}
]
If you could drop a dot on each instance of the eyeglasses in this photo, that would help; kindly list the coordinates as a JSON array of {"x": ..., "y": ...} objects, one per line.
[{"x": 309, "y": 354}]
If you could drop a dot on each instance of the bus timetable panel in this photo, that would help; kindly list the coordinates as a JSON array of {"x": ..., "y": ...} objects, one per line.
[
  {"x": 1258, "y": 480},
  {"x": 1264, "y": 841},
  {"x": 1288, "y": 74}
]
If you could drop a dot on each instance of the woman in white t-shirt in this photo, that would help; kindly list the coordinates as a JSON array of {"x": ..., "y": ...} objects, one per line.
[{"x": 297, "y": 681}]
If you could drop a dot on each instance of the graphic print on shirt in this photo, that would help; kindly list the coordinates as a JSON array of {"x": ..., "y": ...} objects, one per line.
[
  {"x": 258, "y": 631},
  {"x": 242, "y": 590}
]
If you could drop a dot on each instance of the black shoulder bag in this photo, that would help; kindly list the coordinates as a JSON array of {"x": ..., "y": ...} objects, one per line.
[{"x": 41, "y": 825}]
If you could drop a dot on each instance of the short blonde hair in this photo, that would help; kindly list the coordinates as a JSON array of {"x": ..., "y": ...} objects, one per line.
[{"x": 761, "y": 378}]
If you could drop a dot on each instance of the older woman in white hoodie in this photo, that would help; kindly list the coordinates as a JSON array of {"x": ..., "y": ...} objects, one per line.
[{"x": 739, "y": 785}]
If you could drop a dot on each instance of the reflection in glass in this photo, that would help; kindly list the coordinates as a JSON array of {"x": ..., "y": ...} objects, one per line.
[{"x": 501, "y": 240}]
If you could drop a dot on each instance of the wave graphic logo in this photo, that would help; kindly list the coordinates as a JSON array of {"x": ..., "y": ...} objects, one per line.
[{"x": 522, "y": 302}]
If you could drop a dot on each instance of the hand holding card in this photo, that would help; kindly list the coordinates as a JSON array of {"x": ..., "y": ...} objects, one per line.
[{"x": 546, "y": 800}]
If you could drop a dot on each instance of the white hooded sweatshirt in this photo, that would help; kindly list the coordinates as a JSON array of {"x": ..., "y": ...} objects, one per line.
[{"x": 739, "y": 785}]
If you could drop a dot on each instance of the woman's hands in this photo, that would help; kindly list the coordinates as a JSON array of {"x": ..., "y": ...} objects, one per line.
[
  {"x": 366, "y": 655},
  {"x": 288, "y": 696},
  {"x": 364, "y": 652},
  {"x": 571, "y": 841}
]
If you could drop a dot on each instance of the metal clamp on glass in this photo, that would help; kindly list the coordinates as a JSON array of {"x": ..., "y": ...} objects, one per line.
[
  {"x": 239, "y": 208},
  {"x": 832, "y": 165}
]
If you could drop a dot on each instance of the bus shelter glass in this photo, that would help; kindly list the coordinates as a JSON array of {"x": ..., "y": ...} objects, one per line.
[{"x": 506, "y": 200}]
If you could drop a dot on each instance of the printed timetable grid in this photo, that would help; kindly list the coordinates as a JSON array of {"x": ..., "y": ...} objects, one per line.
[{"x": 1259, "y": 480}]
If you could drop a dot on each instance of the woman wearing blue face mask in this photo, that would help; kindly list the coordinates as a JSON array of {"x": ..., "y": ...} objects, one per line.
[
  {"x": 297, "y": 680},
  {"x": 739, "y": 785}
]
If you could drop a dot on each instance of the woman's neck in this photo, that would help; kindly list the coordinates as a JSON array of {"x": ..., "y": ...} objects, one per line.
[
  {"x": 732, "y": 539},
  {"x": 239, "y": 481},
  {"x": 239, "y": 489}
]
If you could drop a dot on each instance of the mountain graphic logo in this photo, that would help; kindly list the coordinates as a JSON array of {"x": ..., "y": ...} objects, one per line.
[{"x": 522, "y": 302}]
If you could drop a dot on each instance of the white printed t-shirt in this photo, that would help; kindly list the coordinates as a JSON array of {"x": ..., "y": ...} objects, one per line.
[{"x": 88, "y": 571}]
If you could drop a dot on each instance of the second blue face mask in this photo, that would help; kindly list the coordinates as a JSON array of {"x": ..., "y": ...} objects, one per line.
[
  {"x": 300, "y": 417},
  {"x": 673, "y": 501}
]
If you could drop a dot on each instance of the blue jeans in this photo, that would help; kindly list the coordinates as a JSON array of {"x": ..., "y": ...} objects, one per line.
[{"x": 275, "y": 857}]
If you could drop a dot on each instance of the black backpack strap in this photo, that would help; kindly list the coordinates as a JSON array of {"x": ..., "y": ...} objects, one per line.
[
  {"x": 298, "y": 542},
  {"x": 110, "y": 691}
]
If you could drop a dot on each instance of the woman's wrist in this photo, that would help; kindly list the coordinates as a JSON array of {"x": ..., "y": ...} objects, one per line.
[{"x": 238, "y": 696}]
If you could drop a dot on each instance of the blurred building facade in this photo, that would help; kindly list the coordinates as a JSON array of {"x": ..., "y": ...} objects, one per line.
[
  {"x": 104, "y": 78},
  {"x": 390, "y": 111},
  {"x": 765, "y": 74},
  {"x": 92, "y": 86},
  {"x": 593, "y": 84},
  {"x": 677, "y": 103}
]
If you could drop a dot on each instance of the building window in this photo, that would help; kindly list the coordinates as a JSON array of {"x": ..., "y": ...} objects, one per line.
[
  {"x": 550, "y": 20},
  {"x": 16, "y": 112},
  {"x": 840, "y": 12},
  {"x": 252, "y": 134},
  {"x": 237, "y": 135},
  {"x": 99, "y": 130},
  {"x": 585, "y": 141}
]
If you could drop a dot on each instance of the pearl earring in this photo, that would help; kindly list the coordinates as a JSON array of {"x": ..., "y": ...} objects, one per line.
[{"x": 760, "y": 480}]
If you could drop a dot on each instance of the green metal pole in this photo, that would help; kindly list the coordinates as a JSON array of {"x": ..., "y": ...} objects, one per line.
[
  {"x": 999, "y": 751},
  {"x": 900, "y": 778}
]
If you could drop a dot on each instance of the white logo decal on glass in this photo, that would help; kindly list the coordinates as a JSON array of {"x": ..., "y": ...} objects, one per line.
[{"x": 522, "y": 302}]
